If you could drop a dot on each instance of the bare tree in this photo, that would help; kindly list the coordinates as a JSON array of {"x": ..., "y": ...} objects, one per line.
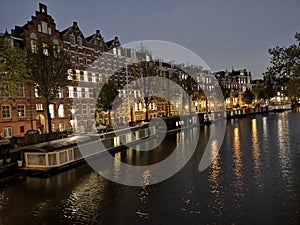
[{"x": 47, "y": 65}]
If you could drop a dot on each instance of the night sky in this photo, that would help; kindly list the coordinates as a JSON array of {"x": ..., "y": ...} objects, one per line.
[{"x": 224, "y": 33}]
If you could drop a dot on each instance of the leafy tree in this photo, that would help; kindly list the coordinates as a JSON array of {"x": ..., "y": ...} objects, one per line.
[
  {"x": 12, "y": 67},
  {"x": 259, "y": 91},
  {"x": 286, "y": 62},
  {"x": 269, "y": 85},
  {"x": 106, "y": 97},
  {"x": 47, "y": 66},
  {"x": 248, "y": 97}
]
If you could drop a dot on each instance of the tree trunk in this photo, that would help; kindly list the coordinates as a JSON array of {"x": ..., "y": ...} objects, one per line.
[
  {"x": 131, "y": 114},
  {"x": 147, "y": 108},
  {"x": 49, "y": 119},
  {"x": 109, "y": 118}
]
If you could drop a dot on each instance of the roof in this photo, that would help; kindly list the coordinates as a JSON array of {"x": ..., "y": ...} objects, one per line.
[
  {"x": 55, "y": 145},
  {"x": 66, "y": 30}
]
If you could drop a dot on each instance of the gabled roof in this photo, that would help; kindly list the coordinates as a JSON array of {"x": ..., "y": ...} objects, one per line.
[
  {"x": 91, "y": 37},
  {"x": 65, "y": 31},
  {"x": 113, "y": 43}
]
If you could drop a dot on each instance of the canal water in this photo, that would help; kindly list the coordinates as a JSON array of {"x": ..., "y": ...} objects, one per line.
[{"x": 253, "y": 179}]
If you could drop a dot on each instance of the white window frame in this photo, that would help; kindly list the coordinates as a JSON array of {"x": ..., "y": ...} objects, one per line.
[
  {"x": 71, "y": 91},
  {"x": 85, "y": 76},
  {"x": 87, "y": 92},
  {"x": 61, "y": 111},
  {"x": 7, "y": 132},
  {"x": 52, "y": 110},
  {"x": 24, "y": 111},
  {"x": 4, "y": 110}
]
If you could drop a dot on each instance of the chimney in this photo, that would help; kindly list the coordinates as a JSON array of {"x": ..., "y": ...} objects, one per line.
[
  {"x": 97, "y": 31},
  {"x": 43, "y": 8}
]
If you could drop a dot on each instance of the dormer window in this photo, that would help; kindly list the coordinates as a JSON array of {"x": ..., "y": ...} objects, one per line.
[
  {"x": 101, "y": 47},
  {"x": 96, "y": 47},
  {"x": 72, "y": 39},
  {"x": 79, "y": 41}
]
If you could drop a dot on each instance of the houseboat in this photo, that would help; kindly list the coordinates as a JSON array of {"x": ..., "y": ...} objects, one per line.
[{"x": 54, "y": 156}]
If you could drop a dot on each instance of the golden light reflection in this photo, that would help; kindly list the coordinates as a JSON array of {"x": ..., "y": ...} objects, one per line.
[
  {"x": 144, "y": 195},
  {"x": 237, "y": 157},
  {"x": 284, "y": 149},
  {"x": 117, "y": 164},
  {"x": 214, "y": 178},
  {"x": 85, "y": 195},
  {"x": 256, "y": 149}
]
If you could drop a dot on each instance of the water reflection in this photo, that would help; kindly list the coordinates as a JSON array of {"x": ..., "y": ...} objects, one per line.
[
  {"x": 225, "y": 193},
  {"x": 237, "y": 158},
  {"x": 256, "y": 149},
  {"x": 284, "y": 154},
  {"x": 144, "y": 195},
  {"x": 214, "y": 179}
]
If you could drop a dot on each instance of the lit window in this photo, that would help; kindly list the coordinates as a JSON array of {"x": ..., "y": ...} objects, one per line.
[
  {"x": 87, "y": 93},
  {"x": 33, "y": 46},
  {"x": 60, "y": 93},
  {"x": 45, "y": 49},
  {"x": 51, "y": 110},
  {"x": 36, "y": 92},
  {"x": 93, "y": 78},
  {"x": 61, "y": 111},
  {"x": 70, "y": 74},
  {"x": 85, "y": 76},
  {"x": 61, "y": 127},
  {"x": 7, "y": 132},
  {"x": 79, "y": 95},
  {"x": 5, "y": 111},
  {"x": 39, "y": 107},
  {"x": 21, "y": 110},
  {"x": 71, "y": 92},
  {"x": 78, "y": 75}
]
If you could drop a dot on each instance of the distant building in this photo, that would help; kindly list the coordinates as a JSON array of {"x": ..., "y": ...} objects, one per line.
[{"x": 234, "y": 84}]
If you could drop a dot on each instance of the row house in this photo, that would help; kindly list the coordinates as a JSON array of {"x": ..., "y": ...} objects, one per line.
[
  {"x": 26, "y": 111},
  {"x": 234, "y": 84},
  {"x": 237, "y": 80}
]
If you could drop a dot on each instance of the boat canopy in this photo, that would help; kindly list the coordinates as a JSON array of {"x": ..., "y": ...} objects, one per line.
[{"x": 55, "y": 145}]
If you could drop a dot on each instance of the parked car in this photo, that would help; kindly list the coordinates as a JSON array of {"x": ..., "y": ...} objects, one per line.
[{"x": 32, "y": 132}]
